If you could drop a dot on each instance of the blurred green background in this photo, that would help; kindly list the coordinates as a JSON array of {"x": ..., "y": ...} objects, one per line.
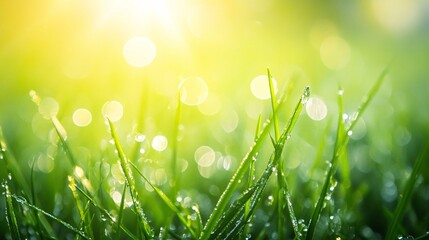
[{"x": 74, "y": 55}]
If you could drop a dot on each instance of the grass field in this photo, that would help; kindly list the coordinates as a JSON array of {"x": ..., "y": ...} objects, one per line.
[{"x": 160, "y": 120}]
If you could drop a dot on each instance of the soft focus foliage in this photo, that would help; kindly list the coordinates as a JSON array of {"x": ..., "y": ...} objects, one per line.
[{"x": 134, "y": 60}]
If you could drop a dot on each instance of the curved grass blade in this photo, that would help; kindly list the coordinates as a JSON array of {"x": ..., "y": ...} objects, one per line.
[
  {"x": 234, "y": 181},
  {"x": 251, "y": 178},
  {"x": 233, "y": 221},
  {"x": 65, "y": 224},
  {"x": 124, "y": 164},
  {"x": 340, "y": 144},
  {"x": 62, "y": 134},
  {"x": 105, "y": 212},
  {"x": 81, "y": 211},
  {"x": 169, "y": 203},
  {"x": 404, "y": 198},
  {"x": 10, "y": 214}
]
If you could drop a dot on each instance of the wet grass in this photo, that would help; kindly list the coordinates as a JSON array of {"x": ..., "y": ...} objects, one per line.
[{"x": 147, "y": 210}]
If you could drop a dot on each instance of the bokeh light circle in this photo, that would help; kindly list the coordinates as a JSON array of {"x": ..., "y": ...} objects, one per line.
[
  {"x": 205, "y": 156},
  {"x": 159, "y": 143},
  {"x": 316, "y": 109},
  {"x": 260, "y": 87},
  {"x": 193, "y": 91},
  {"x": 82, "y": 117},
  {"x": 113, "y": 110},
  {"x": 335, "y": 52},
  {"x": 48, "y": 107},
  {"x": 139, "y": 51}
]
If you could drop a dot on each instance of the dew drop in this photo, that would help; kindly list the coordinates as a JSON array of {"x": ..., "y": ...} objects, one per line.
[{"x": 306, "y": 95}]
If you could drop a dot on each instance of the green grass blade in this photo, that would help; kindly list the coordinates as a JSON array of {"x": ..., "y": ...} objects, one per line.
[
  {"x": 234, "y": 181},
  {"x": 81, "y": 211},
  {"x": 404, "y": 198},
  {"x": 124, "y": 164},
  {"x": 19, "y": 179},
  {"x": 273, "y": 105},
  {"x": 280, "y": 171},
  {"x": 340, "y": 144},
  {"x": 234, "y": 220},
  {"x": 121, "y": 209},
  {"x": 106, "y": 213},
  {"x": 175, "y": 177},
  {"x": 62, "y": 134},
  {"x": 251, "y": 175},
  {"x": 169, "y": 203},
  {"x": 65, "y": 224},
  {"x": 10, "y": 215}
]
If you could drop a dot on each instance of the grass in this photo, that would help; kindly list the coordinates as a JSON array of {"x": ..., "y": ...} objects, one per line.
[{"x": 251, "y": 204}]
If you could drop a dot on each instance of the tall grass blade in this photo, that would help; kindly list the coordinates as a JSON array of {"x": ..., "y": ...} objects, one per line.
[
  {"x": 10, "y": 214},
  {"x": 15, "y": 170},
  {"x": 234, "y": 181},
  {"x": 81, "y": 211},
  {"x": 175, "y": 182},
  {"x": 251, "y": 179},
  {"x": 169, "y": 204},
  {"x": 404, "y": 198},
  {"x": 106, "y": 213},
  {"x": 124, "y": 164},
  {"x": 340, "y": 145},
  {"x": 280, "y": 171},
  {"x": 233, "y": 220},
  {"x": 65, "y": 224}
]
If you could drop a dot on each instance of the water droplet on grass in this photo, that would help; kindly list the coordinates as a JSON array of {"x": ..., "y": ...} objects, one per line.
[{"x": 306, "y": 95}]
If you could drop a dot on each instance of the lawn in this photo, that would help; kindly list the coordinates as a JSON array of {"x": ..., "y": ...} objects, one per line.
[{"x": 141, "y": 119}]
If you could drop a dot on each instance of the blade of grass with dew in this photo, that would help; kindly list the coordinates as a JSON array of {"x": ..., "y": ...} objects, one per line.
[
  {"x": 86, "y": 226},
  {"x": 251, "y": 175},
  {"x": 404, "y": 198},
  {"x": 280, "y": 172},
  {"x": 234, "y": 181},
  {"x": 121, "y": 210},
  {"x": 59, "y": 129},
  {"x": 10, "y": 214},
  {"x": 175, "y": 178},
  {"x": 23, "y": 201},
  {"x": 124, "y": 163},
  {"x": 16, "y": 173},
  {"x": 339, "y": 145},
  {"x": 231, "y": 223},
  {"x": 106, "y": 213},
  {"x": 168, "y": 202},
  {"x": 62, "y": 134}
]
